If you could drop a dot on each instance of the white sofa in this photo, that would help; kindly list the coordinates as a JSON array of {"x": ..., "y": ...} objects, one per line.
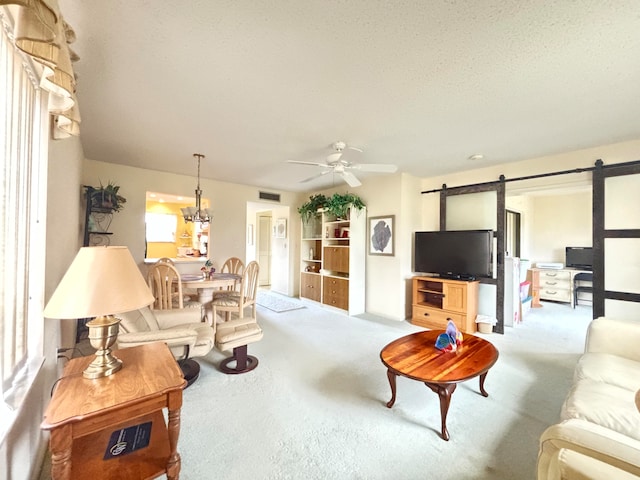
[{"x": 599, "y": 432}]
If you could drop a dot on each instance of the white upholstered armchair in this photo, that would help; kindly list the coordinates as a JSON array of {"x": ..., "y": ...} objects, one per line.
[{"x": 183, "y": 330}]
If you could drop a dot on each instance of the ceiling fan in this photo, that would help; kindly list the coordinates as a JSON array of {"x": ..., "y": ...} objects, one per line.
[{"x": 339, "y": 163}]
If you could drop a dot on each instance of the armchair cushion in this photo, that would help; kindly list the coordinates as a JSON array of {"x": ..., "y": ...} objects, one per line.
[
  {"x": 183, "y": 330},
  {"x": 173, "y": 318},
  {"x": 616, "y": 336},
  {"x": 609, "y": 368},
  {"x": 142, "y": 320},
  {"x": 603, "y": 404}
]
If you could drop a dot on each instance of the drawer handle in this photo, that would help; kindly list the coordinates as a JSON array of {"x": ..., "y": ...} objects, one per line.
[
  {"x": 551, "y": 283},
  {"x": 550, "y": 293},
  {"x": 426, "y": 314},
  {"x": 551, "y": 274}
]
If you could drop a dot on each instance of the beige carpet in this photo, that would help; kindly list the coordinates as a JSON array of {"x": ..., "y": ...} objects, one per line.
[{"x": 315, "y": 406}]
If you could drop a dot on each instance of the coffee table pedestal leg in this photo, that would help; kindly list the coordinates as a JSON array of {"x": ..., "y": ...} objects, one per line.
[
  {"x": 444, "y": 392},
  {"x": 482, "y": 390},
  {"x": 392, "y": 381}
]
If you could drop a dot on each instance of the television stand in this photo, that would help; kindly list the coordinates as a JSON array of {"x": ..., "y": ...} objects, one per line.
[{"x": 437, "y": 300}]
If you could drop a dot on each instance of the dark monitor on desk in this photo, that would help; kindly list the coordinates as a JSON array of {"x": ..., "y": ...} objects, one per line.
[{"x": 579, "y": 257}]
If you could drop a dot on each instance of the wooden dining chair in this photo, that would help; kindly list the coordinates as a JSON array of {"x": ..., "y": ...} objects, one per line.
[
  {"x": 237, "y": 301},
  {"x": 231, "y": 265},
  {"x": 165, "y": 284}
]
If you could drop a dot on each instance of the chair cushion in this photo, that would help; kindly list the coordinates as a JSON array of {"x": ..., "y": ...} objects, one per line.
[
  {"x": 236, "y": 333},
  {"x": 609, "y": 368},
  {"x": 604, "y": 404},
  {"x": 142, "y": 320},
  {"x": 226, "y": 300},
  {"x": 239, "y": 332},
  {"x": 205, "y": 337}
]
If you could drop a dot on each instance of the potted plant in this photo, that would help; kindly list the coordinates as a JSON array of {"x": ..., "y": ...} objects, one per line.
[
  {"x": 310, "y": 209},
  {"x": 106, "y": 198},
  {"x": 339, "y": 204}
]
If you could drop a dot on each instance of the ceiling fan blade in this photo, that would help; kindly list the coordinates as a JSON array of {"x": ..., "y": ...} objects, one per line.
[
  {"x": 351, "y": 179},
  {"x": 315, "y": 176},
  {"x": 375, "y": 167},
  {"x": 315, "y": 164}
]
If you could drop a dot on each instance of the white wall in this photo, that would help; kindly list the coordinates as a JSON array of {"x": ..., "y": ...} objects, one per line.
[
  {"x": 228, "y": 201},
  {"x": 559, "y": 221}
]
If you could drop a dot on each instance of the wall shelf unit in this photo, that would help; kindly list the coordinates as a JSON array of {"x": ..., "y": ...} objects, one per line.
[{"x": 333, "y": 261}]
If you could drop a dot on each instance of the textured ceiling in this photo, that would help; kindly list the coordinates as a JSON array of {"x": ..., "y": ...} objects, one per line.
[{"x": 422, "y": 84}]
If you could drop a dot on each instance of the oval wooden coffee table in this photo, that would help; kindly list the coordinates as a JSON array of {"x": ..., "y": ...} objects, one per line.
[{"x": 415, "y": 356}]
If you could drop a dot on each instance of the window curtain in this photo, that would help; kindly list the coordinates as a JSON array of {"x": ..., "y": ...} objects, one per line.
[{"x": 41, "y": 32}]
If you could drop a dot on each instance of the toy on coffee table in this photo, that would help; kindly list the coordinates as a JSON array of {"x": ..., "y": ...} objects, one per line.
[{"x": 450, "y": 340}]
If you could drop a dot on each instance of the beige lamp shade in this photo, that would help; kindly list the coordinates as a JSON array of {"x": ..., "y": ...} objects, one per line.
[{"x": 100, "y": 281}]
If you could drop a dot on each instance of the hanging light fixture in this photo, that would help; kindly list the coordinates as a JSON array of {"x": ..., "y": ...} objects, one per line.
[{"x": 196, "y": 214}]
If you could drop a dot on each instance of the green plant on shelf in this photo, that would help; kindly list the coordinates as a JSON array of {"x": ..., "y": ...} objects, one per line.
[
  {"x": 339, "y": 204},
  {"x": 309, "y": 210},
  {"x": 106, "y": 197}
]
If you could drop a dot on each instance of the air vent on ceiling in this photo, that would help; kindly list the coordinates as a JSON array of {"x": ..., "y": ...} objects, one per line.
[{"x": 270, "y": 196}]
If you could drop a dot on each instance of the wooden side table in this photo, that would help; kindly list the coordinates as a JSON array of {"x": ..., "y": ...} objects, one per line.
[{"x": 92, "y": 420}]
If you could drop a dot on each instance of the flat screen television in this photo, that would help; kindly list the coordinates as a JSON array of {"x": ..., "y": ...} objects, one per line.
[
  {"x": 579, "y": 257},
  {"x": 464, "y": 254}
]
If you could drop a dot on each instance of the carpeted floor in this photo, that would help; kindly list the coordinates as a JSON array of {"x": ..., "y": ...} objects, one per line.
[{"x": 314, "y": 408}]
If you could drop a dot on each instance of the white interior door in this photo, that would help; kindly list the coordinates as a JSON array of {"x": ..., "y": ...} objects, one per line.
[{"x": 264, "y": 248}]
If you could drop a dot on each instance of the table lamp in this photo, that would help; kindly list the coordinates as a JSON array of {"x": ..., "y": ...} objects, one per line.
[{"x": 100, "y": 282}]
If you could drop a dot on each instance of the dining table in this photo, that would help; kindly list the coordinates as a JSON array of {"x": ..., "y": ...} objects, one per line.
[{"x": 206, "y": 286}]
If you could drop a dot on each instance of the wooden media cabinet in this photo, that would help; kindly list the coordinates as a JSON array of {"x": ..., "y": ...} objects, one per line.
[{"x": 438, "y": 300}]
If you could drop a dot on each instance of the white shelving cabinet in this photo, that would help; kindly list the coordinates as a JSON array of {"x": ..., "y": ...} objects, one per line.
[{"x": 333, "y": 262}]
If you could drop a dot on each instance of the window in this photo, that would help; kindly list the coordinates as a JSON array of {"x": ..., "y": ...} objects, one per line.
[{"x": 22, "y": 217}]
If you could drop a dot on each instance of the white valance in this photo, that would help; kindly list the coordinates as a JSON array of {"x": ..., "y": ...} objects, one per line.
[{"x": 41, "y": 32}]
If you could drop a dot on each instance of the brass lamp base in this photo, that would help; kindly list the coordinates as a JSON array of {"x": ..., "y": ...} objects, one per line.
[{"x": 103, "y": 331}]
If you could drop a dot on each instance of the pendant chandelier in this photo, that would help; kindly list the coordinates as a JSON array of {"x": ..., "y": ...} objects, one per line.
[{"x": 196, "y": 214}]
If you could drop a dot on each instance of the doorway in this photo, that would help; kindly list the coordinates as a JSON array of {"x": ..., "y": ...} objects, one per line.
[
  {"x": 512, "y": 234},
  {"x": 263, "y": 248}
]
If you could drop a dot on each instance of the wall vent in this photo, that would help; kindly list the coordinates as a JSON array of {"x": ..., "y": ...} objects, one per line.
[{"x": 275, "y": 197}]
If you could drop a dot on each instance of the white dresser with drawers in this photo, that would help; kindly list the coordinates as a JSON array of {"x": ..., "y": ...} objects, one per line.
[{"x": 553, "y": 284}]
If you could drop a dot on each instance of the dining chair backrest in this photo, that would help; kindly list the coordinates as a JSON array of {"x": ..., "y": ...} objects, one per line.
[
  {"x": 232, "y": 265},
  {"x": 236, "y": 302},
  {"x": 166, "y": 260},
  {"x": 164, "y": 281},
  {"x": 250, "y": 282}
]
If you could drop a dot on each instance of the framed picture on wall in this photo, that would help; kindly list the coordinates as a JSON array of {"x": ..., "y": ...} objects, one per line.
[
  {"x": 381, "y": 235},
  {"x": 280, "y": 228}
]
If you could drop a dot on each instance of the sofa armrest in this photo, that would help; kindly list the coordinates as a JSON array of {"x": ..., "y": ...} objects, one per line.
[
  {"x": 591, "y": 440},
  {"x": 173, "y": 338},
  {"x": 177, "y": 316},
  {"x": 569, "y": 464},
  {"x": 616, "y": 336}
]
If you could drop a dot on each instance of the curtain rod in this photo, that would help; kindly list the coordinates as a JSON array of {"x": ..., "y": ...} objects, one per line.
[{"x": 502, "y": 178}]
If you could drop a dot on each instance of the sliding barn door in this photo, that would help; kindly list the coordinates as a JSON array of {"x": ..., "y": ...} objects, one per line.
[
  {"x": 480, "y": 207},
  {"x": 616, "y": 240}
]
